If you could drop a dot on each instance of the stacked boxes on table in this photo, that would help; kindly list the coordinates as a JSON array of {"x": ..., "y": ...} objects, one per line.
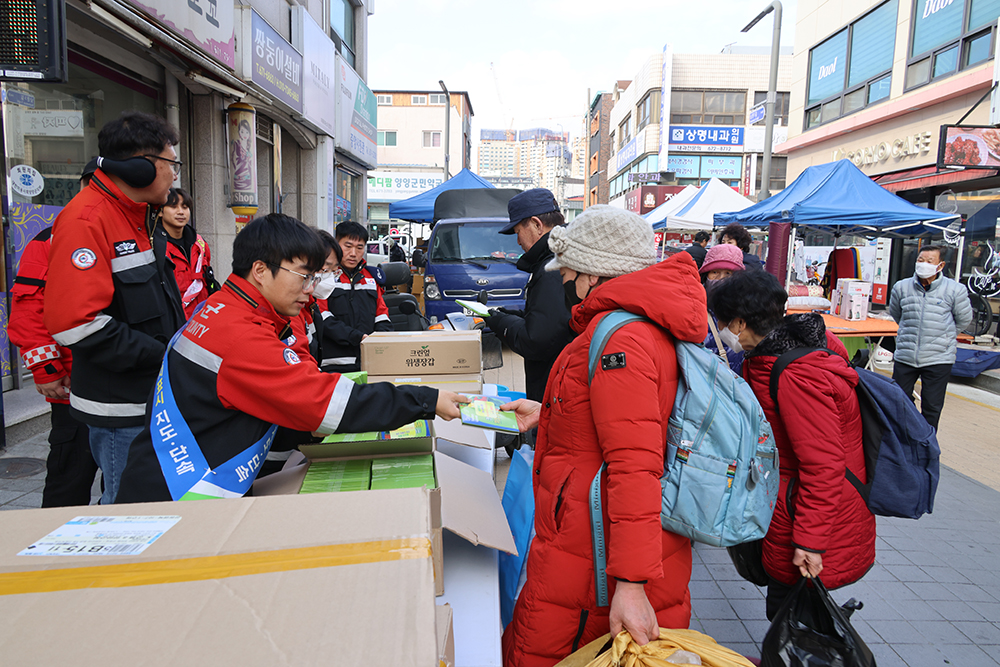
[
  {"x": 851, "y": 298},
  {"x": 449, "y": 360}
]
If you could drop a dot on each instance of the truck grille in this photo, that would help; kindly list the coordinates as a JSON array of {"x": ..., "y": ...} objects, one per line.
[{"x": 472, "y": 294}]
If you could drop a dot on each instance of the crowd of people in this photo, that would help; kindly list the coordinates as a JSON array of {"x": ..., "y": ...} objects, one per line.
[{"x": 182, "y": 387}]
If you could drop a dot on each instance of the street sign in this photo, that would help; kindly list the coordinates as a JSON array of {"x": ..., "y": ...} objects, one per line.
[{"x": 757, "y": 113}]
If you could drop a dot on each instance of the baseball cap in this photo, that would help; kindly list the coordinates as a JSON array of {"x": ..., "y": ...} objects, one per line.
[{"x": 536, "y": 201}]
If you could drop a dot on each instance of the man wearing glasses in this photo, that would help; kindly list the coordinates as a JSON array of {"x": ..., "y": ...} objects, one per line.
[{"x": 111, "y": 296}]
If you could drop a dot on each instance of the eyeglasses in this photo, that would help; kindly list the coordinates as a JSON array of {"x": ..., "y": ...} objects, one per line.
[
  {"x": 309, "y": 281},
  {"x": 174, "y": 164}
]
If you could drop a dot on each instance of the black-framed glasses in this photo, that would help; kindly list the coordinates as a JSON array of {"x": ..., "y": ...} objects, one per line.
[
  {"x": 309, "y": 281},
  {"x": 174, "y": 164}
]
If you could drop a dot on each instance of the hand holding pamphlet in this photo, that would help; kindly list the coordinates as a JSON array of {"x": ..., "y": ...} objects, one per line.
[
  {"x": 485, "y": 412},
  {"x": 476, "y": 307}
]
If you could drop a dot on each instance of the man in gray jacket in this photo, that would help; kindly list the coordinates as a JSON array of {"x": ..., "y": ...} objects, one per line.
[{"x": 931, "y": 310}]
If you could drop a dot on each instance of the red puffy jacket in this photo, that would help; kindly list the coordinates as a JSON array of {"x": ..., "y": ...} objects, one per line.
[
  {"x": 189, "y": 272},
  {"x": 621, "y": 418},
  {"x": 818, "y": 433}
]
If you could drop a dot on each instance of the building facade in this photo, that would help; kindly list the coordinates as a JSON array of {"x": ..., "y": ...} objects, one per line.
[
  {"x": 600, "y": 148},
  {"x": 299, "y": 69},
  {"x": 876, "y": 81},
  {"x": 690, "y": 114},
  {"x": 539, "y": 153}
]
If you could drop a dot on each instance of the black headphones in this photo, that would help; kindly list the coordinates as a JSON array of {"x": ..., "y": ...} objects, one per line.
[{"x": 135, "y": 171}]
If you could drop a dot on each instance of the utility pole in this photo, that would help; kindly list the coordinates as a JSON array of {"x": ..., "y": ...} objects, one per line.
[
  {"x": 772, "y": 94},
  {"x": 447, "y": 129}
]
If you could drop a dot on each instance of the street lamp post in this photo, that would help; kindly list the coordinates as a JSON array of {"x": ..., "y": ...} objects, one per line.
[
  {"x": 772, "y": 85},
  {"x": 447, "y": 129}
]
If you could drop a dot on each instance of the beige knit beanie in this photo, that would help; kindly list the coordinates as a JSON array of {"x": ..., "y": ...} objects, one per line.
[{"x": 603, "y": 241}]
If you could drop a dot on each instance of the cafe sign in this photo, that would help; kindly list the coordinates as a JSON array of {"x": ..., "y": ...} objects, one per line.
[{"x": 876, "y": 153}]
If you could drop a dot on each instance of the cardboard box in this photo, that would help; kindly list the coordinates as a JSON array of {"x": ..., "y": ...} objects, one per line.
[
  {"x": 425, "y": 352},
  {"x": 290, "y": 580},
  {"x": 470, "y": 383},
  {"x": 465, "y": 502},
  {"x": 445, "y": 635}
]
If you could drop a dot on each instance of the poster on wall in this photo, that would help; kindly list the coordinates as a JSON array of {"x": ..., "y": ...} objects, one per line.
[
  {"x": 969, "y": 146},
  {"x": 356, "y": 119},
  {"x": 880, "y": 276},
  {"x": 241, "y": 132}
]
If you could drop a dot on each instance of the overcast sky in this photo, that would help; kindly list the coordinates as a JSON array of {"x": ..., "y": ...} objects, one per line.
[{"x": 528, "y": 63}]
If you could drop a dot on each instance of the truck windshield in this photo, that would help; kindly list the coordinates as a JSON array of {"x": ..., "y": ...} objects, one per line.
[{"x": 474, "y": 241}]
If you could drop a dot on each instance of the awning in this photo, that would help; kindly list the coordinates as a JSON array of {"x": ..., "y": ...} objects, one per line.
[{"x": 925, "y": 177}]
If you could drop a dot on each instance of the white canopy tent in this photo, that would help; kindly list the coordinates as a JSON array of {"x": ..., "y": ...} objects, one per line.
[
  {"x": 698, "y": 212},
  {"x": 658, "y": 215}
]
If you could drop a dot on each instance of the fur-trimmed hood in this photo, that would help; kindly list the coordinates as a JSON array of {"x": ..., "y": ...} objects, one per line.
[{"x": 795, "y": 331}]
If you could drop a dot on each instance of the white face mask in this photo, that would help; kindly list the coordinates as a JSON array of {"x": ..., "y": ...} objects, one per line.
[
  {"x": 926, "y": 269},
  {"x": 731, "y": 340},
  {"x": 325, "y": 287}
]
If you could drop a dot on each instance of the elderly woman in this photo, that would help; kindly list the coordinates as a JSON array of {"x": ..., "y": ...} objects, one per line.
[
  {"x": 820, "y": 524},
  {"x": 720, "y": 263}
]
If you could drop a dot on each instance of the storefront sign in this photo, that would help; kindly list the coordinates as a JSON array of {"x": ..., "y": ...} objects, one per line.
[
  {"x": 356, "y": 134},
  {"x": 645, "y": 198},
  {"x": 241, "y": 134},
  {"x": 753, "y": 138},
  {"x": 624, "y": 157},
  {"x": 827, "y": 63},
  {"x": 275, "y": 65},
  {"x": 666, "y": 84},
  {"x": 749, "y": 175},
  {"x": 685, "y": 166},
  {"x": 915, "y": 144},
  {"x": 650, "y": 177},
  {"x": 390, "y": 186},
  {"x": 706, "y": 139},
  {"x": 725, "y": 168},
  {"x": 318, "y": 100},
  {"x": 26, "y": 181},
  {"x": 18, "y": 96},
  {"x": 206, "y": 23},
  {"x": 52, "y": 123},
  {"x": 969, "y": 146}
]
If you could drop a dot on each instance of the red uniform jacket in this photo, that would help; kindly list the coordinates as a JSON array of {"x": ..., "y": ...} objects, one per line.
[
  {"x": 620, "y": 418},
  {"x": 356, "y": 308},
  {"x": 47, "y": 360},
  {"x": 188, "y": 272},
  {"x": 112, "y": 299}
]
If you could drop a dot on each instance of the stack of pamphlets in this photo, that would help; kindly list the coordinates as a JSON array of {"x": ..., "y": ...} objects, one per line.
[
  {"x": 358, "y": 377},
  {"x": 326, "y": 476},
  {"x": 418, "y": 429},
  {"x": 484, "y": 412},
  {"x": 403, "y": 472}
]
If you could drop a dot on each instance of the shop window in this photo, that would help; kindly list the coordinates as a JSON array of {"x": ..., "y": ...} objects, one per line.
[
  {"x": 779, "y": 169},
  {"x": 383, "y": 100},
  {"x": 781, "y": 103},
  {"x": 852, "y": 69},
  {"x": 348, "y": 195},
  {"x": 386, "y": 137},
  {"x": 342, "y": 28},
  {"x": 432, "y": 139},
  {"x": 949, "y": 36},
  {"x": 696, "y": 107}
]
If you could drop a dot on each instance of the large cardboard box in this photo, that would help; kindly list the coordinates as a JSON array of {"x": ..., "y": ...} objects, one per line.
[
  {"x": 333, "y": 578},
  {"x": 470, "y": 383},
  {"x": 465, "y": 501},
  {"x": 425, "y": 352}
]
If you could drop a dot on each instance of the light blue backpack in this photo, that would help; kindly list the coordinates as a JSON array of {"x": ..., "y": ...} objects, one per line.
[{"x": 720, "y": 477}]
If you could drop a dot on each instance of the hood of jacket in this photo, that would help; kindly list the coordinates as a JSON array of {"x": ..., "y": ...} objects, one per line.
[
  {"x": 806, "y": 330},
  {"x": 537, "y": 254},
  {"x": 669, "y": 293}
]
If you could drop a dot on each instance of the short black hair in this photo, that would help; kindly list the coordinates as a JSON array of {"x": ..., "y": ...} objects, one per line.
[
  {"x": 349, "y": 229},
  {"x": 135, "y": 133},
  {"x": 701, "y": 237},
  {"x": 272, "y": 239},
  {"x": 738, "y": 233},
  {"x": 756, "y": 297},
  {"x": 331, "y": 244},
  {"x": 552, "y": 219},
  {"x": 178, "y": 196},
  {"x": 932, "y": 248}
]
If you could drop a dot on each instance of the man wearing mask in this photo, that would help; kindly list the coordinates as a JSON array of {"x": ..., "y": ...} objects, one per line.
[
  {"x": 541, "y": 331},
  {"x": 930, "y": 310}
]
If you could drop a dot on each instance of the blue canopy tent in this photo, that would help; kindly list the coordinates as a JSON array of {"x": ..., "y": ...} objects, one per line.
[
  {"x": 420, "y": 208},
  {"x": 837, "y": 197}
]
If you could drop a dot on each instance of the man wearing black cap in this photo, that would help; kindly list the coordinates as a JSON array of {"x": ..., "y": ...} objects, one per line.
[{"x": 541, "y": 331}]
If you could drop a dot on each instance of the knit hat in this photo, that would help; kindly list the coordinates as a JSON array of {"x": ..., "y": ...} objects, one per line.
[
  {"x": 603, "y": 241},
  {"x": 722, "y": 256}
]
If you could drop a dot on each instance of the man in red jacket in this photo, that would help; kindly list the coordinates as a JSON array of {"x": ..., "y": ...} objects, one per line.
[
  {"x": 111, "y": 296},
  {"x": 70, "y": 467},
  {"x": 607, "y": 259}
]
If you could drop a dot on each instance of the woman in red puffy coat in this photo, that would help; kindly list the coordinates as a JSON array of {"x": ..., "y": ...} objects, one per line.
[
  {"x": 606, "y": 258},
  {"x": 821, "y": 524},
  {"x": 187, "y": 251}
]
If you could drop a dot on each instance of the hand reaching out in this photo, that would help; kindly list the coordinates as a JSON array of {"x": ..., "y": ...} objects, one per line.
[{"x": 526, "y": 411}]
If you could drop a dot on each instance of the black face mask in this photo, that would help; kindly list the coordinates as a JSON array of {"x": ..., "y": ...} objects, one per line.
[{"x": 570, "y": 295}]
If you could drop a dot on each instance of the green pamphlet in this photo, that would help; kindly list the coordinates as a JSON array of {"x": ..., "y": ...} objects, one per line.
[
  {"x": 485, "y": 412},
  {"x": 474, "y": 306}
]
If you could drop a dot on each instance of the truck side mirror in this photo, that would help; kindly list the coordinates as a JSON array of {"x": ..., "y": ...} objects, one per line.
[{"x": 417, "y": 259}]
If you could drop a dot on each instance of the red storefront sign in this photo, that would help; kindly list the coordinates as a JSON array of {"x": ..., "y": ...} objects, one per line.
[{"x": 645, "y": 198}]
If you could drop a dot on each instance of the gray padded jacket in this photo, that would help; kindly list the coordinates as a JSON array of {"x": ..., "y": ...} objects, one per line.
[{"x": 929, "y": 320}]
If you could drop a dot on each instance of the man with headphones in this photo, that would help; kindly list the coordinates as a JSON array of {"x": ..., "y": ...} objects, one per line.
[{"x": 111, "y": 296}]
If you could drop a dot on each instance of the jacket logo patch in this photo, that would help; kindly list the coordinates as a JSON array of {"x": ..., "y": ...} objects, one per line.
[
  {"x": 83, "y": 258},
  {"x": 129, "y": 247},
  {"x": 290, "y": 340},
  {"x": 613, "y": 361},
  {"x": 290, "y": 357}
]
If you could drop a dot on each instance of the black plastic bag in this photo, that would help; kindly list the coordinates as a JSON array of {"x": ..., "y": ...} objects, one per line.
[
  {"x": 748, "y": 559},
  {"x": 810, "y": 630}
]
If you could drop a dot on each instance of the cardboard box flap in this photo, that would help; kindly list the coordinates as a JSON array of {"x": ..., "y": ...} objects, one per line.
[
  {"x": 457, "y": 432},
  {"x": 470, "y": 505},
  {"x": 445, "y": 634}
]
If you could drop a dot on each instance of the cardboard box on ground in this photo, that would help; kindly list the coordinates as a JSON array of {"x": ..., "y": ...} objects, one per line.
[
  {"x": 465, "y": 501},
  {"x": 343, "y": 578}
]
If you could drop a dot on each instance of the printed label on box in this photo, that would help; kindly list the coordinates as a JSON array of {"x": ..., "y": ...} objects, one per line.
[{"x": 102, "y": 536}]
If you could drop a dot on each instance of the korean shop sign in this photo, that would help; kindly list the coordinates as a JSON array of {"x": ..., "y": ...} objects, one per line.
[
  {"x": 877, "y": 152},
  {"x": 706, "y": 138},
  {"x": 356, "y": 118},
  {"x": 390, "y": 186},
  {"x": 275, "y": 65},
  {"x": 207, "y": 24},
  {"x": 319, "y": 100}
]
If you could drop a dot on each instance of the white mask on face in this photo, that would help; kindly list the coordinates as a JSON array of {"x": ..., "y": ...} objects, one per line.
[
  {"x": 325, "y": 287},
  {"x": 731, "y": 340},
  {"x": 926, "y": 270}
]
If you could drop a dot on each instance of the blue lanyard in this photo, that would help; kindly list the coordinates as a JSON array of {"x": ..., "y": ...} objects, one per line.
[{"x": 182, "y": 462}]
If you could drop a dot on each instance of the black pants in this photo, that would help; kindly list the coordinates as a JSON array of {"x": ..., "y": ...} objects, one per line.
[
  {"x": 70, "y": 468},
  {"x": 777, "y": 592},
  {"x": 934, "y": 384}
]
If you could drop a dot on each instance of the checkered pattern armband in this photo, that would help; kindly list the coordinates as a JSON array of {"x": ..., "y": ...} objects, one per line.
[{"x": 40, "y": 355}]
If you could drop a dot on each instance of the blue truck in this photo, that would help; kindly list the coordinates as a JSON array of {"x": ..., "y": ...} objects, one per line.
[{"x": 467, "y": 255}]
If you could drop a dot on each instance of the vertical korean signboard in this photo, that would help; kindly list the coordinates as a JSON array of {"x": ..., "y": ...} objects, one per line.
[
  {"x": 355, "y": 116},
  {"x": 274, "y": 64},
  {"x": 206, "y": 23},
  {"x": 665, "y": 86}
]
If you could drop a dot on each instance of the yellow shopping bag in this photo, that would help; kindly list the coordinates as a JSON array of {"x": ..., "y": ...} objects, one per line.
[{"x": 626, "y": 653}]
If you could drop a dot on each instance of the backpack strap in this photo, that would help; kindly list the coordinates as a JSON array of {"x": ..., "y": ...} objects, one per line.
[
  {"x": 781, "y": 363},
  {"x": 608, "y": 324},
  {"x": 718, "y": 341}
]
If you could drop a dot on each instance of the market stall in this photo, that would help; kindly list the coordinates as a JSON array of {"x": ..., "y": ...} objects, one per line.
[{"x": 697, "y": 212}]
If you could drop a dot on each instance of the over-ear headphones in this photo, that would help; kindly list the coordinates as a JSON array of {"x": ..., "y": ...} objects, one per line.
[{"x": 135, "y": 171}]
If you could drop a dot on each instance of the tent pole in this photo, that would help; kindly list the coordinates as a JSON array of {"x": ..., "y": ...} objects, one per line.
[{"x": 791, "y": 259}]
